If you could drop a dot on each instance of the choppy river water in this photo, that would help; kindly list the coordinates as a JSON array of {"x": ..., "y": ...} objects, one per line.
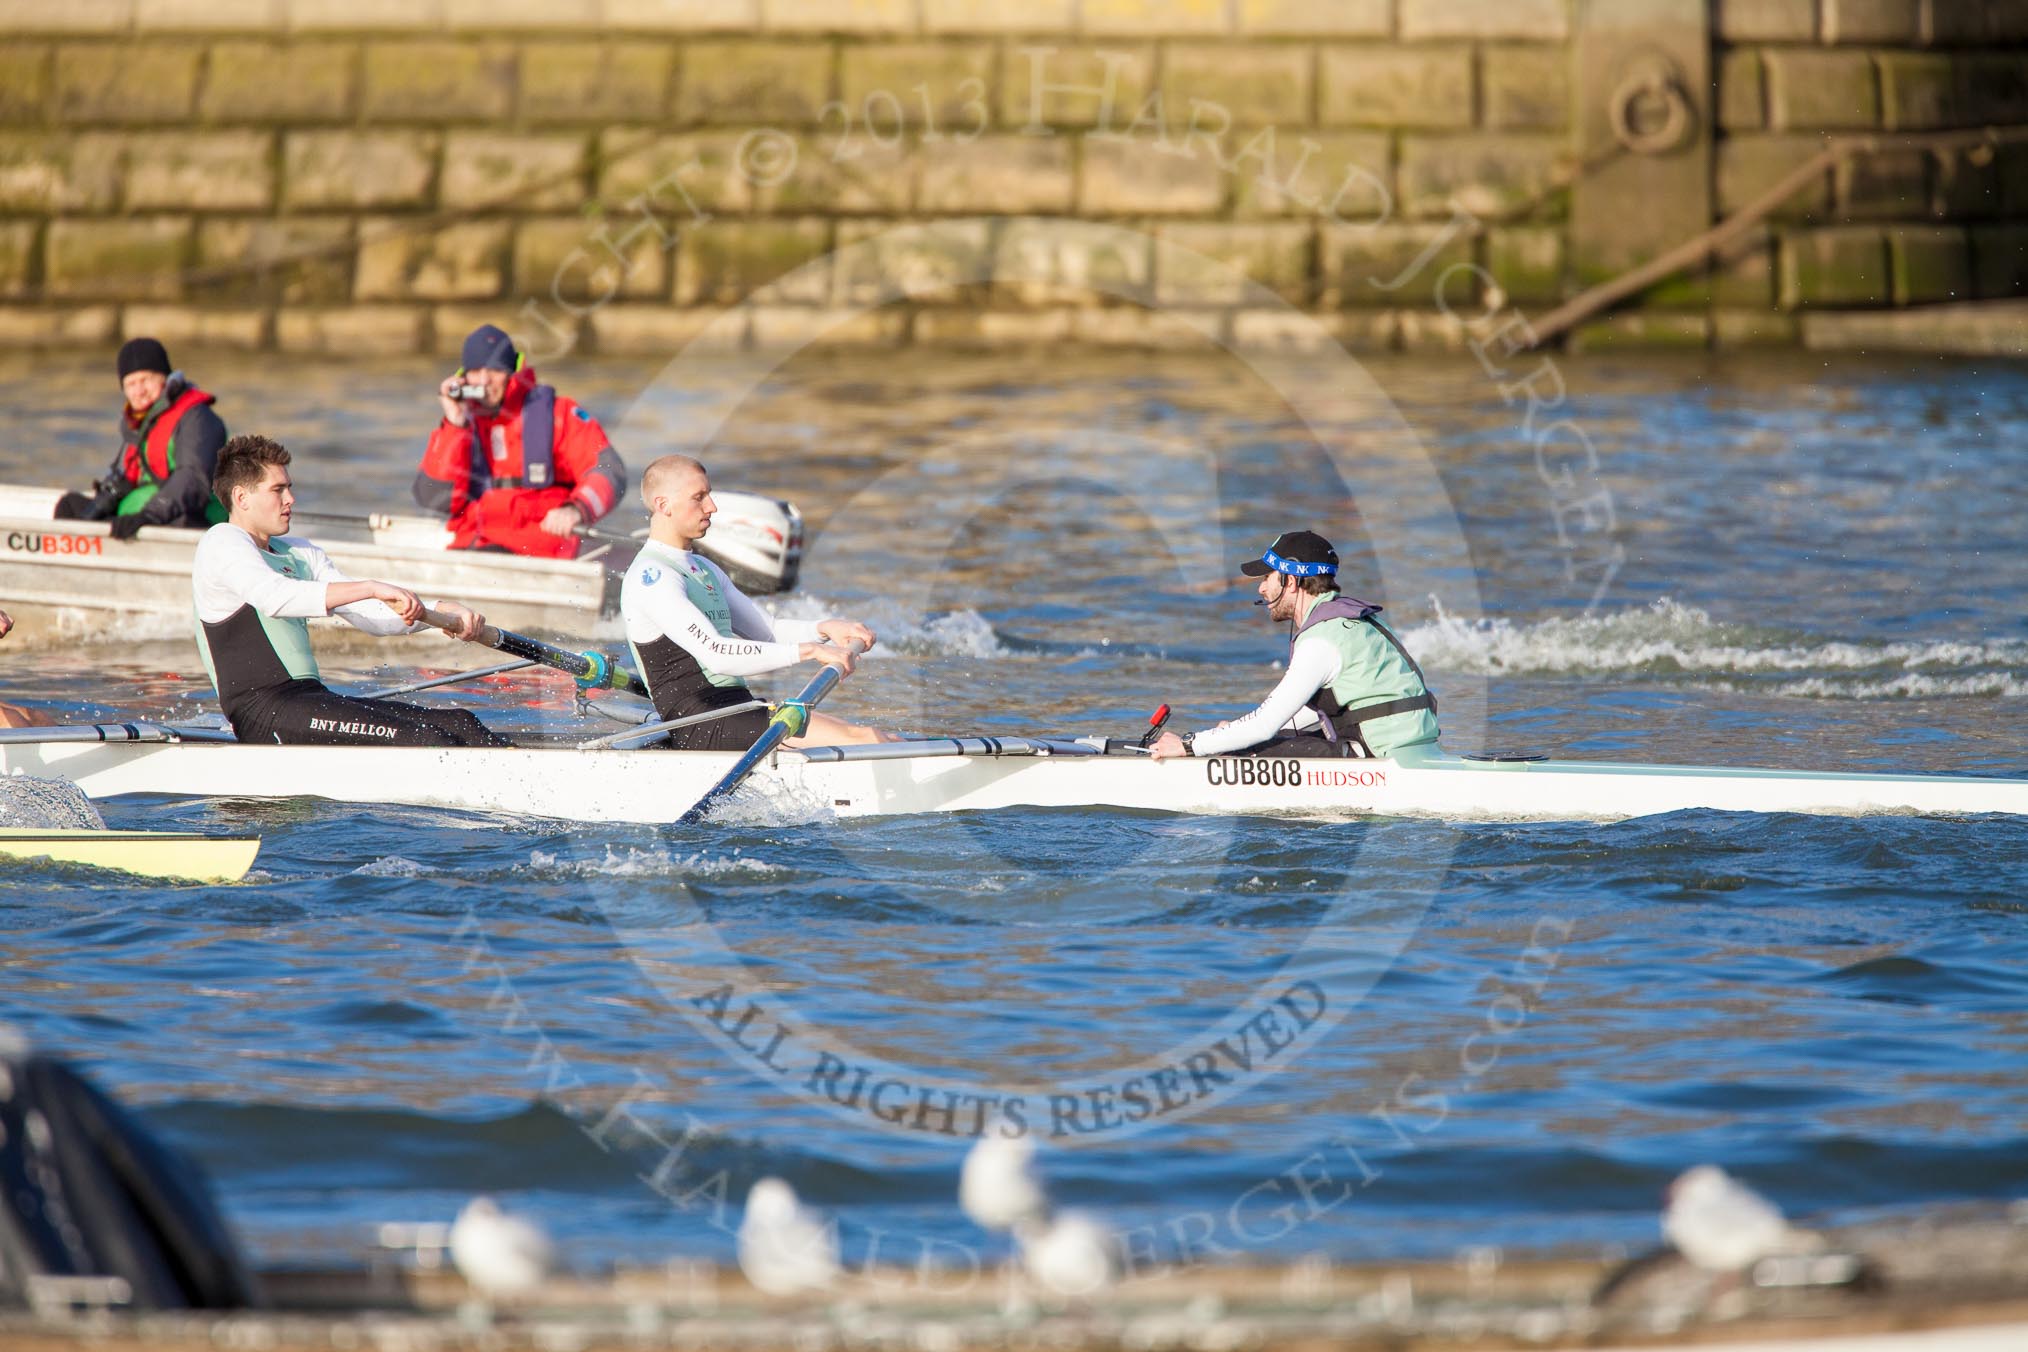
[{"x": 1765, "y": 561}]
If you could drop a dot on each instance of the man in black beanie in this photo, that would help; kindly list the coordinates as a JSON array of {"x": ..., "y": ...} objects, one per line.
[{"x": 169, "y": 444}]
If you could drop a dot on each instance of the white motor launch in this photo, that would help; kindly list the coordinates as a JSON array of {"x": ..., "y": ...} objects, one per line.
[{"x": 757, "y": 540}]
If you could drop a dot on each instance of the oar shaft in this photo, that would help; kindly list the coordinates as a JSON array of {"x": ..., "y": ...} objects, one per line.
[
  {"x": 779, "y": 729},
  {"x": 588, "y": 668},
  {"x": 518, "y": 664}
]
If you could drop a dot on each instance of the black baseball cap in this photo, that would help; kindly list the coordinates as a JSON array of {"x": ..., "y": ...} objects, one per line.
[{"x": 1299, "y": 553}]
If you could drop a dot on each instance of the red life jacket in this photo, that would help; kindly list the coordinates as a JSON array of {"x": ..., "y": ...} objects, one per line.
[
  {"x": 150, "y": 454},
  {"x": 508, "y": 509}
]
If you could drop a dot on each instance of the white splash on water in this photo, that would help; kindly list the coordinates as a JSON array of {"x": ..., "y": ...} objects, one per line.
[{"x": 1670, "y": 636}]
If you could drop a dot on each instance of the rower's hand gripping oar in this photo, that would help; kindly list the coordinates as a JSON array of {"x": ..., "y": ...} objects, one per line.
[
  {"x": 791, "y": 718},
  {"x": 593, "y": 670}
]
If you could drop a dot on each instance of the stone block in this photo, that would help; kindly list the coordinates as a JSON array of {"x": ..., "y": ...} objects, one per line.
[
  {"x": 2010, "y": 170},
  {"x": 1753, "y": 328},
  {"x": 353, "y": 330},
  {"x": 1306, "y": 18},
  {"x": 1137, "y": 18},
  {"x": 1397, "y": 266},
  {"x": 1751, "y": 165},
  {"x": 1959, "y": 330},
  {"x": 24, "y": 81},
  {"x": 683, "y": 16},
  {"x": 1642, "y": 329},
  {"x": 1006, "y": 175},
  {"x": 658, "y": 331},
  {"x": 1966, "y": 184},
  {"x": 725, "y": 262},
  {"x": 1529, "y": 20},
  {"x": 1843, "y": 266},
  {"x": 1044, "y": 86},
  {"x": 595, "y": 81},
  {"x": 207, "y": 16},
  {"x": 1891, "y": 185},
  {"x": 1127, "y": 178},
  {"x": 210, "y": 171},
  {"x": 784, "y": 328},
  {"x": 1526, "y": 263},
  {"x": 438, "y": 81},
  {"x": 1065, "y": 262},
  {"x": 1994, "y": 89},
  {"x": 136, "y": 258},
  {"x": 1148, "y": 330},
  {"x": 41, "y": 172},
  {"x": 1432, "y": 331},
  {"x": 75, "y": 16},
  {"x": 1809, "y": 91},
  {"x": 2003, "y": 20},
  {"x": 972, "y": 329},
  {"x": 1742, "y": 95},
  {"x": 389, "y": 16},
  {"x": 2000, "y": 261},
  {"x": 358, "y": 169},
  {"x": 156, "y": 82},
  {"x": 772, "y": 83},
  {"x": 1743, "y": 273},
  {"x": 492, "y": 16},
  {"x": 17, "y": 257},
  {"x": 878, "y": 263},
  {"x": 826, "y": 176},
  {"x": 1525, "y": 88},
  {"x": 943, "y": 88},
  {"x": 539, "y": 173},
  {"x": 1766, "y": 20},
  {"x": 1213, "y": 263},
  {"x": 1428, "y": 87},
  {"x": 839, "y": 16},
  {"x": 1871, "y": 21},
  {"x": 680, "y": 176},
  {"x": 1288, "y": 333},
  {"x": 577, "y": 258},
  {"x": 267, "y": 82},
  {"x": 1917, "y": 92},
  {"x": 995, "y": 16},
  {"x": 180, "y": 327},
  {"x": 1340, "y": 176},
  {"x": 403, "y": 260},
  {"x": 1929, "y": 264},
  {"x": 1486, "y": 175},
  {"x": 40, "y": 328},
  {"x": 1261, "y": 85},
  {"x": 292, "y": 261}
]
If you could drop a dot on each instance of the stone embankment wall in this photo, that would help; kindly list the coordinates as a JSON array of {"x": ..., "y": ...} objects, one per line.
[{"x": 345, "y": 176}]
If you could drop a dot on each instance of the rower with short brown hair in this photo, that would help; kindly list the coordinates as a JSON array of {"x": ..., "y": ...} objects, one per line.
[{"x": 256, "y": 587}]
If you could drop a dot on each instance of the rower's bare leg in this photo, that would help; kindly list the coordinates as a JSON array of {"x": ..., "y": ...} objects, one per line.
[{"x": 828, "y": 731}]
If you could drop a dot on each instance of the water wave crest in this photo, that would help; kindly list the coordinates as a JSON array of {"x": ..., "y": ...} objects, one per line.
[{"x": 1668, "y": 637}]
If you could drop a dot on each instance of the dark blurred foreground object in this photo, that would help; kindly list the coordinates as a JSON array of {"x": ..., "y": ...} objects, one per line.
[{"x": 86, "y": 1192}]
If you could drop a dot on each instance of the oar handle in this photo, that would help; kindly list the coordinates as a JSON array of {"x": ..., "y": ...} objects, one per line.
[{"x": 594, "y": 670}]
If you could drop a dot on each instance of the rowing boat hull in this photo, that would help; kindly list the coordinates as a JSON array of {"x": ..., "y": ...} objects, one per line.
[
  {"x": 656, "y": 786},
  {"x": 175, "y": 855}
]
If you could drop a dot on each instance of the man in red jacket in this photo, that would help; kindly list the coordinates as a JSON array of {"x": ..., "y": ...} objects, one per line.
[{"x": 515, "y": 465}]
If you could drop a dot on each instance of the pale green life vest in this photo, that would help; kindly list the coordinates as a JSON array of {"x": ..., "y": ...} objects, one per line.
[
  {"x": 1372, "y": 670},
  {"x": 289, "y": 638},
  {"x": 700, "y": 586}
]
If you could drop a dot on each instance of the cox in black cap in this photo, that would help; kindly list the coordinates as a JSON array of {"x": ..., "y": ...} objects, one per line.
[{"x": 1298, "y": 553}]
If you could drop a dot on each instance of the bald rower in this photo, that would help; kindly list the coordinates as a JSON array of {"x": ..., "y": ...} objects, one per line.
[{"x": 696, "y": 637}]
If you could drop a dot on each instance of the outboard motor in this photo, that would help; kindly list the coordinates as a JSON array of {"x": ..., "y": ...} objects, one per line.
[
  {"x": 86, "y": 1193},
  {"x": 757, "y": 540}
]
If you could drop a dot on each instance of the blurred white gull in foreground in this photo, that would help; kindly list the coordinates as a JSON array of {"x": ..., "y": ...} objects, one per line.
[
  {"x": 1721, "y": 1225},
  {"x": 1069, "y": 1254},
  {"x": 784, "y": 1248},
  {"x": 499, "y": 1254},
  {"x": 998, "y": 1186}
]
